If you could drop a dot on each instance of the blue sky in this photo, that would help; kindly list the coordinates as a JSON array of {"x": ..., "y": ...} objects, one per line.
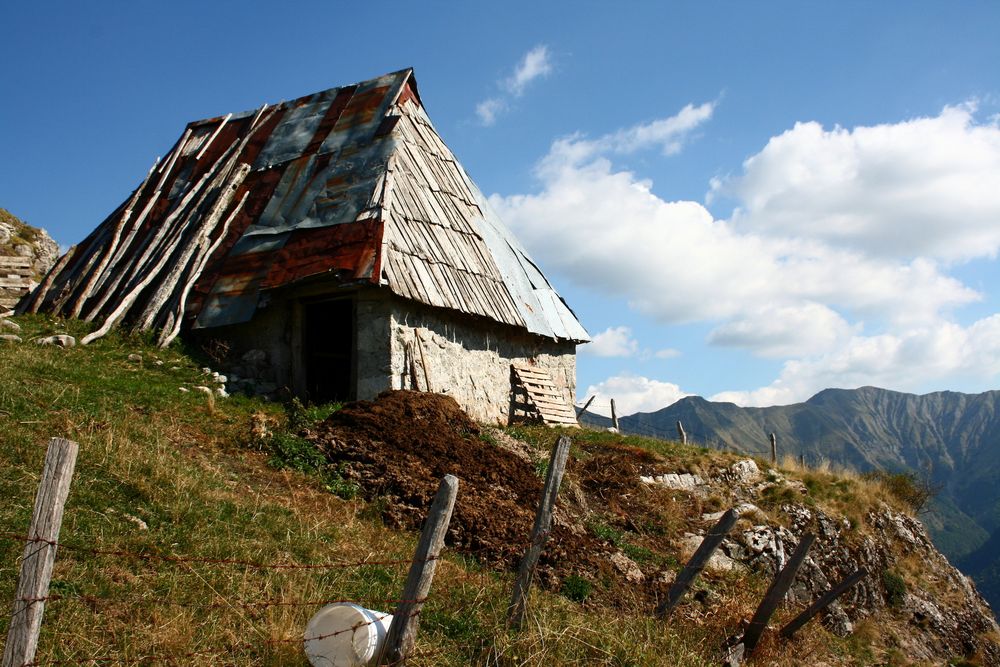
[{"x": 747, "y": 201}]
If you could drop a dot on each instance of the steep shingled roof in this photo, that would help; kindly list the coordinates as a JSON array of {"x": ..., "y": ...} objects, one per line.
[{"x": 352, "y": 181}]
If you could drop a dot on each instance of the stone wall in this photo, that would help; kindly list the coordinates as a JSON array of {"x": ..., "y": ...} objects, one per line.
[{"x": 469, "y": 358}]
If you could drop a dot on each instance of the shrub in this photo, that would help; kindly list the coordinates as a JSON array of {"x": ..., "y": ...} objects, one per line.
[
  {"x": 913, "y": 491},
  {"x": 576, "y": 588},
  {"x": 895, "y": 588}
]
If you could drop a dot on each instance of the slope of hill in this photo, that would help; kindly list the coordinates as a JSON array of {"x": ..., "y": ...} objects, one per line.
[
  {"x": 951, "y": 438},
  {"x": 185, "y": 510}
]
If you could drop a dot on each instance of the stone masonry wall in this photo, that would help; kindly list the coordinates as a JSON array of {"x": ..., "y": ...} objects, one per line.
[{"x": 469, "y": 358}]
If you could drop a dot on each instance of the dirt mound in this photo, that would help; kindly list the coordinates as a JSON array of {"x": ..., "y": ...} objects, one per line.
[{"x": 399, "y": 446}]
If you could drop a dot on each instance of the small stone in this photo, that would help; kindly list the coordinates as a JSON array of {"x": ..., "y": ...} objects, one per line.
[
  {"x": 221, "y": 379},
  {"x": 221, "y": 392},
  {"x": 137, "y": 358},
  {"x": 203, "y": 389},
  {"x": 185, "y": 390},
  {"x": 158, "y": 362},
  {"x": 136, "y": 520},
  {"x": 175, "y": 368},
  {"x": 206, "y": 370},
  {"x": 62, "y": 340},
  {"x": 628, "y": 567},
  {"x": 10, "y": 338},
  {"x": 7, "y": 324},
  {"x": 735, "y": 656}
]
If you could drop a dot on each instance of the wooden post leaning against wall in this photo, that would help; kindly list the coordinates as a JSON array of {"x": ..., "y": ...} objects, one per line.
[
  {"x": 776, "y": 593},
  {"x": 822, "y": 602},
  {"x": 540, "y": 533},
  {"x": 698, "y": 562},
  {"x": 681, "y": 433},
  {"x": 40, "y": 553},
  {"x": 405, "y": 620}
]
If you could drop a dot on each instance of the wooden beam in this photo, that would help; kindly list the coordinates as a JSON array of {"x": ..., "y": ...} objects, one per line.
[
  {"x": 776, "y": 593},
  {"x": 822, "y": 602},
  {"x": 698, "y": 562}
]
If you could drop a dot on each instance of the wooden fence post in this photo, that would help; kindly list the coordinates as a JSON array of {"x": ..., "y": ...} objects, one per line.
[
  {"x": 540, "y": 533},
  {"x": 585, "y": 406},
  {"x": 776, "y": 593},
  {"x": 698, "y": 562},
  {"x": 822, "y": 602},
  {"x": 774, "y": 449},
  {"x": 681, "y": 433},
  {"x": 405, "y": 620},
  {"x": 614, "y": 416},
  {"x": 40, "y": 553}
]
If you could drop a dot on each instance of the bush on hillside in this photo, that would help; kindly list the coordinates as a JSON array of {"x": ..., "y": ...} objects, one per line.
[{"x": 915, "y": 492}]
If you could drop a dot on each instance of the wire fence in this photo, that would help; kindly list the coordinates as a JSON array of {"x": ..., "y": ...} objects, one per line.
[{"x": 599, "y": 408}]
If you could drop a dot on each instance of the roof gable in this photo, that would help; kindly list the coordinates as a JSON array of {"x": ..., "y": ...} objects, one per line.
[{"x": 352, "y": 181}]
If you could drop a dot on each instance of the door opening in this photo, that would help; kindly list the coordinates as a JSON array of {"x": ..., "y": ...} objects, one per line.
[{"x": 328, "y": 350}]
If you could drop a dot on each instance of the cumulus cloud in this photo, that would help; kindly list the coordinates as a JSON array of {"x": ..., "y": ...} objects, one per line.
[
  {"x": 926, "y": 187},
  {"x": 667, "y": 353},
  {"x": 632, "y": 393},
  {"x": 612, "y": 342},
  {"x": 837, "y": 257},
  {"x": 535, "y": 64}
]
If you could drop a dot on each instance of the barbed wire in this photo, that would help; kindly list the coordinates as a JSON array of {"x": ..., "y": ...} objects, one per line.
[
  {"x": 247, "y": 604},
  {"x": 279, "y": 565}
]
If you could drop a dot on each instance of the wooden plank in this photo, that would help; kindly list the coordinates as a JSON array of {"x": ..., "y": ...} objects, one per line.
[
  {"x": 539, "y": 533},
  {"x": 39, "y": 553},
  {"x": 15, "y": 262},
  {"x": 822, "y": 602},
  {"x": 406, "y": 619},
  {"x": 698, "y": 562},
  {"x": 15, "y": 283},
  {"x": 776, "y": 593}
]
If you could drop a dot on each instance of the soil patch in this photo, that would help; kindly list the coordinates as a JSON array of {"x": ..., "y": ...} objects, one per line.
[{"x": 398, "y": 447}]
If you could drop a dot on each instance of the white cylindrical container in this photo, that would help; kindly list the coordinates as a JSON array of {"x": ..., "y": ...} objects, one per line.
[{"x": 345, "y": 635}]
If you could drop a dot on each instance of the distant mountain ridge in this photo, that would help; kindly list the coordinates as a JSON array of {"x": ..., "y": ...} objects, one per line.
[{"x": 950, "y": 436}]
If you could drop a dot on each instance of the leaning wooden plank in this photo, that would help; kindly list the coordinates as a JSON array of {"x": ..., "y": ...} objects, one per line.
[
  {"x": 776, "y": 593},
  {"x": 698, "y": 562},
  {"x": 84, "y": 293},
  {"x": 210, "y": 219},
  {"x": 822, "y": 602},
  {"x": 38, "y": 295},
  {"x": 171, "y": 332}
]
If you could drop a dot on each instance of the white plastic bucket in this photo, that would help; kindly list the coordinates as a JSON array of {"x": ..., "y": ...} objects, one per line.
[{"x": 345, "y": 635}]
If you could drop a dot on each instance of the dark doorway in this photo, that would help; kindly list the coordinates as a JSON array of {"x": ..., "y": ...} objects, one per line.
[{"x": 328, "y": 346}]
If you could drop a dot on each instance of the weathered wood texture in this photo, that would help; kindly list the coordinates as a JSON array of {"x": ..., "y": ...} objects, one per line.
[
  {"x": 406, "y": 620},
  {"x": 774, "y": 449},
  {"x": 776, "y": 593},
  {"x": 822, "y": 602},
  {"x": 540, "y": 532},
  {"x": 40, "y": 553},
  {"x": 542, "y": 395},
  {"x": 614, "y": 415},
  {"x": 681, "y": 433},
  {"x": 698, "y": 562},
  {"x": 585, "y": 406}
]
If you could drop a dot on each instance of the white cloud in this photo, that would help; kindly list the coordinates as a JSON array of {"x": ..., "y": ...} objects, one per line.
[
  {"x": 837, "y": 258},
  {"x": 489, "y": 109},
  {"x": 927, "y": 187},
  {"x": 667, "y": 353},
  {"x": 632, "y": 394},
  {"x": 905, "y": 361},
  {"x": 535, "y": 64},
  {"x": 612, "y": 342}
]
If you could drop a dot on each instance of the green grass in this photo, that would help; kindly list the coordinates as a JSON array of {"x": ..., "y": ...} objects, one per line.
[{"x": 232, "y": 478}]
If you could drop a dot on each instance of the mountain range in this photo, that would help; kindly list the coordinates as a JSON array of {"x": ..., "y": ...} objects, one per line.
[{"x": 949, "y": 439}]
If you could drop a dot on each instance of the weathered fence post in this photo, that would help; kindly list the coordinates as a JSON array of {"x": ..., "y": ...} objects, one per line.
[
  {"x": 681, "y": 433},
  {"x": 540, "y": 533},
  {"x": 776, "y": 593},
  {"x": 405, "y": 620},
  {"x": 614, "y": 416},
  {"x": 39, "y": 553},
  {"x": 802, "y": 459},
  {"x": 822, "y": 602},
  {"x": 698, "y": 562},
  {"x": 585, "y": 406},
  {"x": 774, "y": 449}
]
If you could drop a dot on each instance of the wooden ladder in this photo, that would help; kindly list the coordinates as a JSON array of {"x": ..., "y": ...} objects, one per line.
[{"x": 541, "y": 395}]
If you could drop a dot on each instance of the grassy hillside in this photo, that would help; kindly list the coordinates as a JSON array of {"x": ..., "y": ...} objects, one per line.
[{"x": 166, "y": 473}]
